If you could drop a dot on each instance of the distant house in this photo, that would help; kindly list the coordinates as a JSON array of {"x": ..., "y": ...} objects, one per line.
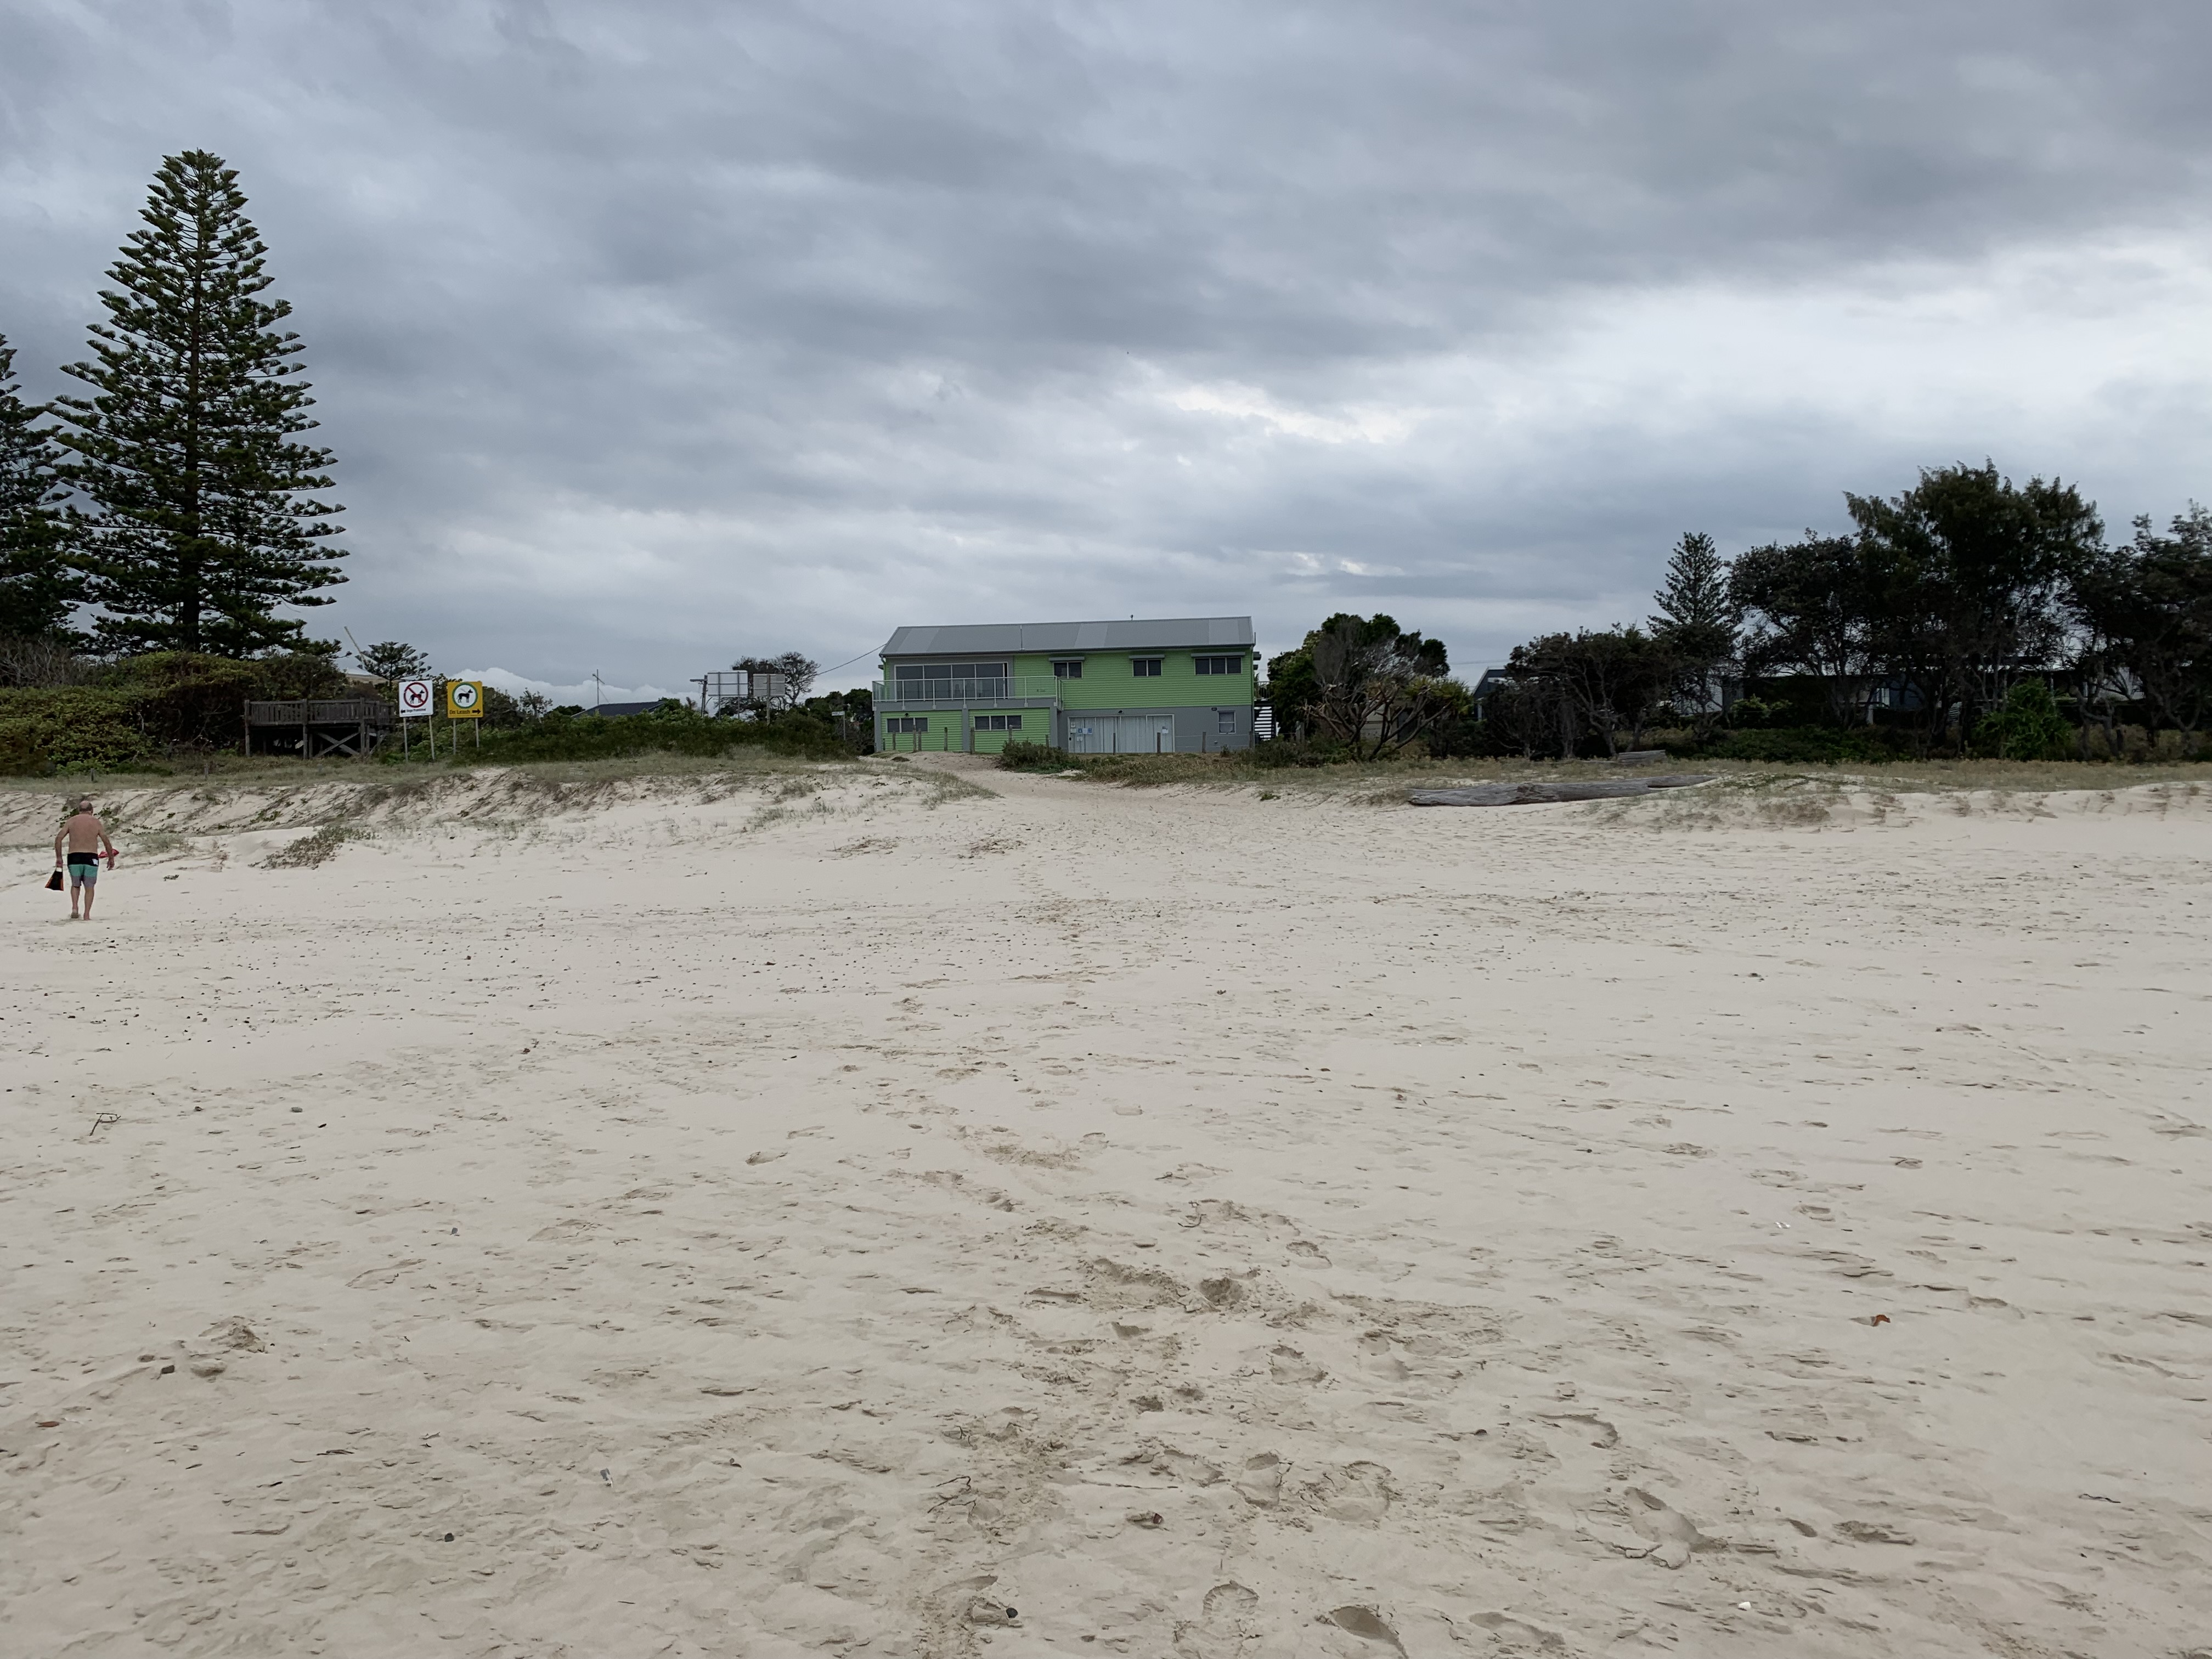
[
  {"x": 1179, "y": 684},
  {"x": 615, "y": 709}
]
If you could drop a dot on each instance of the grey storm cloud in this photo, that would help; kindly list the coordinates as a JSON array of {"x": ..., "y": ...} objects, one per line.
[{"x": 649, "y": 334}]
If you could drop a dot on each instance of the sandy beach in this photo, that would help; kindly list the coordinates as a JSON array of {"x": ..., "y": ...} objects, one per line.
[{"x": 895, "y": 1210}]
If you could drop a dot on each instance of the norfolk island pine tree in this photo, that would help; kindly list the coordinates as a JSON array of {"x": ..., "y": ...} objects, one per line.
[
  {"x": 200, "y": 518},
  {"x": 37, "y": 590}
]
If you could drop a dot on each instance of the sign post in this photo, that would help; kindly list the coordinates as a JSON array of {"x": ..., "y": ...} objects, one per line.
[
  {"x": 464, "y": 702},
  {"x": 415, "y": 701}
]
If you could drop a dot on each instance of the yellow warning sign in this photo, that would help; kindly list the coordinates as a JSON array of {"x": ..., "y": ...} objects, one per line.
[{"x": 463, "y": 700}]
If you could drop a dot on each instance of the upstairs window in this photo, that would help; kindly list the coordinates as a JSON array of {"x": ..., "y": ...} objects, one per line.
[
  {"x": 1146, "y": 668},
  {"x": 1219, "y": 664},
  {"x": 1067, "y": 668},
  {"x": 950, "y": 679}
]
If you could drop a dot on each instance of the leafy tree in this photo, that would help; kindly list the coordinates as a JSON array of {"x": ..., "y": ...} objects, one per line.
[
  {"x": 1526, "y": 713},
  {"x": 1592, "y": 682},
  {"x": 2145, "y": 614},
  {"x": 1314, "y": 689},
  {"x": 1810, "y": 607},
  {"x": 1362, "y": 682},
  {"x": 36, "y": 589},
  {"x": 1967, "y": 573},
  {"x": 393, "y": 660},
  {"x": 795, "y": 675},
  {"x": 203, "y": 518}
]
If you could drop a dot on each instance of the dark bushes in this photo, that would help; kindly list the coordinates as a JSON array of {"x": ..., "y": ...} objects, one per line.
[
  {"x": 672, "y": 728},
  {"x": 129, "y": 713},
  {"x": 1802, "y": 746},
  {"x": 1298, "y": 751},
  {"x": 1019, "y": 757}
]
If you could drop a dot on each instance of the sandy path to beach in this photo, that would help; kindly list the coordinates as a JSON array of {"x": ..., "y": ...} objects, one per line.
[{"x": 1071, "y": 1220}]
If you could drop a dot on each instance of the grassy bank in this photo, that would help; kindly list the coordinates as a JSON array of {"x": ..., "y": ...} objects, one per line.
[{"x": 1241, "y": 770}]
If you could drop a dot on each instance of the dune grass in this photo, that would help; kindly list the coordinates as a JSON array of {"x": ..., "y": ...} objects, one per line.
[{"x": 1239, "y": 770}]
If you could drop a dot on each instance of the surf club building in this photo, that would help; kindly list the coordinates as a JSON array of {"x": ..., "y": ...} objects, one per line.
[{"x": 1181, "y": 684}]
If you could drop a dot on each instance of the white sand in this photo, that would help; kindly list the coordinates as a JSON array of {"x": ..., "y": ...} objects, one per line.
[{"x": 757, "y": 1228}]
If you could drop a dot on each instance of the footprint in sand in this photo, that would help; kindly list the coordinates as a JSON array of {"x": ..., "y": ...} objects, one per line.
[
  {"x": 1673, "y": 1535},
  {"x": 1227, "y": 1625},
  {"x": 1262, "y": 1482},
  {"x": 1369, "y": 1628},
  {"x": 1356, "y": 1492}
]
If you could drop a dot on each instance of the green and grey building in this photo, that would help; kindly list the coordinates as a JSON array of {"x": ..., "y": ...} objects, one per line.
[{"x": 1179, "y": 684}]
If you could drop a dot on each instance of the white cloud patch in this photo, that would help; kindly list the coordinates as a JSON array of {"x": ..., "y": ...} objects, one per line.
[
  {"x": 585, "y": 695},
  {"x": 1367, "y": 426}
]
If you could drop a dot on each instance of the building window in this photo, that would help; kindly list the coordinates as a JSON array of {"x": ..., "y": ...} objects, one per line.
[
  {"x": 950, "y": 682},
  {"x": 900, "y": 723},
  {"x": 1219, "y": 664},
  {"x": 1067, "y": 668},
  {"x": 1145, "y": 668},
  {"x": 998, "y": 722},
  {"x": 1224, "y": 722}
]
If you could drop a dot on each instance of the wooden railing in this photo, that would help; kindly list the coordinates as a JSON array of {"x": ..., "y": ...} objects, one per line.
[{"x": 323, "y": 711}]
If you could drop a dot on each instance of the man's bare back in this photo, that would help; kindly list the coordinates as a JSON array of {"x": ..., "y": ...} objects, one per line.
[{"x": 84, "y": 832}]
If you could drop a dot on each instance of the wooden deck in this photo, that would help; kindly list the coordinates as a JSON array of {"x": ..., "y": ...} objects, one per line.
[{"x": 323, "y": 725}]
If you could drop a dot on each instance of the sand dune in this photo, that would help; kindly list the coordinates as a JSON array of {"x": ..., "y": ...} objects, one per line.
[{"x": 863, "y": 1213}]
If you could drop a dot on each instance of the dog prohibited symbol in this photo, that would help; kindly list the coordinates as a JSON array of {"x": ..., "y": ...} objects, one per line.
[
  {"x": 463, "y": 700},
  {"x": 415, "y": 697}
]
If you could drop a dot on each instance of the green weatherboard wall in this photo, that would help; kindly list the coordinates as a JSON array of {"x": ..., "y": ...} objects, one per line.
[{"x": 1107, "y": 683}]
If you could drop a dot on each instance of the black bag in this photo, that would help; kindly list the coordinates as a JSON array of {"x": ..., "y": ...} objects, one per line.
[{"x": 54, "y": 882}]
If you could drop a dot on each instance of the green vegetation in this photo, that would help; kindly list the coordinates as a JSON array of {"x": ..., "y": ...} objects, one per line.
[
  {"x": 1020, "y": 757},
  {"x": 673, "y": 728},
  {"x": 318, "y": 845},
  {"x": 1386, "y": 781},
  {"x": 1965, "y": 614},
  {"x": 1364, "y": 687},
  {"x": 2028, "y": 727},
  {"x": 134, "y": 715}
]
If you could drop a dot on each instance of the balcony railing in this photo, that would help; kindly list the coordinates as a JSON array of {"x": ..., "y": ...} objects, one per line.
[{"x": 1013, "y": 691}]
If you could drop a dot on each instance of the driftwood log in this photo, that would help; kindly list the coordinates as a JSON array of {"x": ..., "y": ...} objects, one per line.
[{"x": 1537, "y": 795}]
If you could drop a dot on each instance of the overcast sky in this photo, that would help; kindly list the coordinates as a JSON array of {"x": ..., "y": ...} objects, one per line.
[{"x": 652, "y": 334}]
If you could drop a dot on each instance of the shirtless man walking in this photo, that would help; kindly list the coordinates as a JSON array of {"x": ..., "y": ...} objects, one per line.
[{"x": 85, "y": 837}]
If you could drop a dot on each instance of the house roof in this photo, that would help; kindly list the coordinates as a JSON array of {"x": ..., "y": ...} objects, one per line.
[{"x": 1138, "y": 634}]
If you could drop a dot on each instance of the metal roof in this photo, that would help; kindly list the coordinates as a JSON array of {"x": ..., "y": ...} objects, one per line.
[{"x": 1138, "y": 633}]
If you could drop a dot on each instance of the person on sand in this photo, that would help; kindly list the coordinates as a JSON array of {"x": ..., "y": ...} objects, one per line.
[{"x": 84, "y": 838}]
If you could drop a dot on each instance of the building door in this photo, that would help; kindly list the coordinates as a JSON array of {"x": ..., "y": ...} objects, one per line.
[
  {"x": 1142, "y": 734},
  {"x": 1120, "y": 734}
]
